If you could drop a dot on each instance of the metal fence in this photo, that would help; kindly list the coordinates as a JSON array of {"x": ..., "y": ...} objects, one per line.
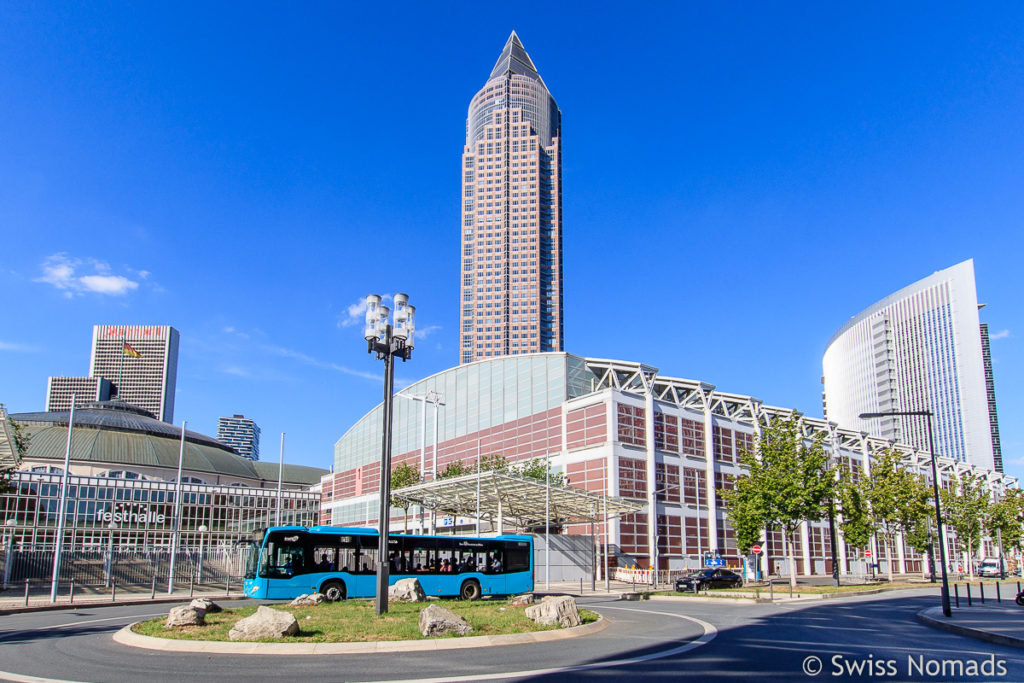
[{"x": 91, "y": 567}]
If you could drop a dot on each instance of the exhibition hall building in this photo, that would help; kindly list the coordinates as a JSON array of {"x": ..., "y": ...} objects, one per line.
[{"x": 616, "y": 428}]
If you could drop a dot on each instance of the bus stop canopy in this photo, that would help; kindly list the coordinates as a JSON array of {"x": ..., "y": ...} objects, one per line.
[{"x": 508, "y": 498}]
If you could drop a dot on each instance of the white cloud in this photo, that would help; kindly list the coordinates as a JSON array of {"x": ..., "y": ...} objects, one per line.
[
  {"x": 61, "y": 271},
  {"x": 315, "y": 362},
  {"x": 355, "y": 314},
  {"x": 18, "y": 348},
  {"x": 1001, "y": 334},
  {"x": 424, "y": 332},
  {"x": 108, "y": 284}
]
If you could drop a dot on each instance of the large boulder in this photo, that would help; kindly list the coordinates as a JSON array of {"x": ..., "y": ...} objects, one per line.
[
  {"x": 185, "y": 615},
  {"x": 560, "y": 609},
  {"x": 524, "y": 600},
  {"x": 308, "y": 600},
  {"x": 438, "y": 621},
  {"x": 406, "y": 590},
  {"x": 205, "y": 604},
  {"x": 265, "y": 623}
]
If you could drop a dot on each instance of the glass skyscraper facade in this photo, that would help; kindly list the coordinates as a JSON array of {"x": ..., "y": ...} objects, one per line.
[
  {"x": 511, "y": 292},
  {"x": 242, "y": 434},
  {"x": 918, "y": 349}
]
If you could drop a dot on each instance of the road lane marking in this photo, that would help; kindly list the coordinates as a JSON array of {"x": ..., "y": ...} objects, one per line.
[{"x": 709, "y": 634}]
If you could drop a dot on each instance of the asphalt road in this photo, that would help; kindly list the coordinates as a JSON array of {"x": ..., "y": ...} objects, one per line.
[{"x": 868, "y": 638}]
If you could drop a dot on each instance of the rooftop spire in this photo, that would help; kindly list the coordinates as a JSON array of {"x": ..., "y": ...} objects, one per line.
[{"x": 515, "y": 59}]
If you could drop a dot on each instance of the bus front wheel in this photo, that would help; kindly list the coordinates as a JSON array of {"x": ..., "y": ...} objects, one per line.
[
  {"x": 470, "y": 590},
  {"x": 333, "y": 591}
]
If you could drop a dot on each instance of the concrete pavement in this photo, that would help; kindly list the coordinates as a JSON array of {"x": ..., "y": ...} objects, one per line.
[{"x": 1000, "y": 623}]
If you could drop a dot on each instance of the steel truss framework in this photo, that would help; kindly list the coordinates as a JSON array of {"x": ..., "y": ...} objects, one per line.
[
  {"x": 702, "y": 397},
  {"x": 523, "y": 501}
]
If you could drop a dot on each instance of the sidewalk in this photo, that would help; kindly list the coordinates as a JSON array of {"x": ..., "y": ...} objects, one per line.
[
  {"x": 13, "y": 601},
  {"x": 999, "y": 623}
]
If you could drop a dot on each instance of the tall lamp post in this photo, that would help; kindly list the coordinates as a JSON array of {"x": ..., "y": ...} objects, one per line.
[
  {"x": 388, "y": 342},
  {"x": 935, "y": 488}
]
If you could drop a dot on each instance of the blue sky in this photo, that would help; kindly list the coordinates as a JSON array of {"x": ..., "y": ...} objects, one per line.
[{"x": 738, "y": 181}]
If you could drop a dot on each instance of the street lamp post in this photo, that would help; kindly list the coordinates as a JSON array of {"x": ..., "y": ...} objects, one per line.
[
  {"x": 388, "y": 342},
  {"x": 946, "y": 610}
]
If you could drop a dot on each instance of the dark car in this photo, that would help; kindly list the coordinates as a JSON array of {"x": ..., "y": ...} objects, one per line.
[{"x": 709, "y": 578}]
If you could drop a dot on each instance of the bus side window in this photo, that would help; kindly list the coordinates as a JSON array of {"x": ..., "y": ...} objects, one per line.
[
  {"x": 367, "y": 561},
  {"x": 325, "y": 559}
]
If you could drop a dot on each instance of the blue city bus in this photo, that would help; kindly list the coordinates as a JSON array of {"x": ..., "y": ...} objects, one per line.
[{"x": 341, "y": 562}]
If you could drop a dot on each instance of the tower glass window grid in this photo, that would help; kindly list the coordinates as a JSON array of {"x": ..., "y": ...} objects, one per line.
[
  {"x": 511, "y": 291},
  {"x": 148, "y": 381},
  {"x": 242, "y": 434}
]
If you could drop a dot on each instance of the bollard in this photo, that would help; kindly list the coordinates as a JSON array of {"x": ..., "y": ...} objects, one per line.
[
  {"x": 771, "y": 590},
  {"x": 956, "y": 591},
  {"x": 999, "y": 593},
  {"x": 26, "y": 592},
  {"x": 152, "y": 595},
  {"x": 581, "y": 585},
  {"x": 981, "y": 587},
  {"x": 227, "y": 585},
  {"x": 113, "y": 591},
  {"x": 191, "y": 585},
  {"x": 71, "y": 593},
  {"x": 969, "y": 603}
]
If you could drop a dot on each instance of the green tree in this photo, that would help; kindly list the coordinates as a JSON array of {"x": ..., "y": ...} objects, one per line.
[
  {"x": 456, "y": 468},
  {"x": 898, "y": 500},
  {"x": 966, "y": 506},
  {"x": 1005, "y": 519},
  {"x": 404, "y": 475},
  {"x": 856, "y": 516},
  {"x": 743, "y": 512},
  {"x": 494, "y": 462},
  {"x": 19, "y": 441},
  {"x": 537, "y": 469},
  {"x": 788, "y": 481}
]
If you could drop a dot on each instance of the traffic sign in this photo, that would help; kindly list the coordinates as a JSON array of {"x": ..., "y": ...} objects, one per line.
[
  {"x": 755, "y": 549},
  {"x": 714, "y": 562},
  {"x": 867, "y": 553}
]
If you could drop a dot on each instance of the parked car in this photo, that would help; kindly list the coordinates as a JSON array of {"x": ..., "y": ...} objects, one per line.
[
  {"x": 989, "y": 568},
  {"x": 709, "y": 578}
]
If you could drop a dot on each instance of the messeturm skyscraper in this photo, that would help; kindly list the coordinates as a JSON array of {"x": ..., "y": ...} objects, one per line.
[{"x": 512, "y": 214}]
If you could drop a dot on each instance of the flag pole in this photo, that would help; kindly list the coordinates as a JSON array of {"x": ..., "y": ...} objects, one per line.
[
  {"x": 177, "y": 512},
  {"x": 58, "y": 546},
  {"x": 120, "y": 368},
  {"x": 280, "y": 473}
]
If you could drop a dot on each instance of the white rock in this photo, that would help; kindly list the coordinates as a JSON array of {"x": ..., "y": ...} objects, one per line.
[
  {"x": 185, "y": 615},
  {"x": 308, "y": 600},
  {"x": 523, "y": 600},
  {"x": 406, "y": 590},
  {"x": 206, "y": 604},
  {"x": 552, "y": 610},
  {"x": 438, "y": 621},
  {"x": 265, "y": 623}
]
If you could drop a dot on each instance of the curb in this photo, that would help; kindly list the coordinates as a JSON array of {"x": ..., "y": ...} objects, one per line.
[
  {"x": 127, "y": 637},
  {"x": 927, "y": 617}
]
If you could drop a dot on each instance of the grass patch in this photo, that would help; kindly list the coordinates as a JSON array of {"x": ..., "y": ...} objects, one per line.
[
  {"x": 782, "y": 590},
  {"x": 354, "y": 621}
]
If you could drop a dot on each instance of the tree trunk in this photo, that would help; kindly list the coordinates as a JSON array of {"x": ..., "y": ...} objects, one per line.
[
  {"x": 890, "y": 547},
  {"x": 792, "y": 559}
]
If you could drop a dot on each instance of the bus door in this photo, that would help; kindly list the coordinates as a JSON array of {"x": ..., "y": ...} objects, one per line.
[
  {"x": 364, "y": 576},
  {"x": 285, "y": 564}
]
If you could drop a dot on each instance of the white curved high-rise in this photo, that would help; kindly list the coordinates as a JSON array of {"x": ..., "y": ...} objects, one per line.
[
  {"x": 511, "y": 291},
  {"x": 918, "y": 349}
]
